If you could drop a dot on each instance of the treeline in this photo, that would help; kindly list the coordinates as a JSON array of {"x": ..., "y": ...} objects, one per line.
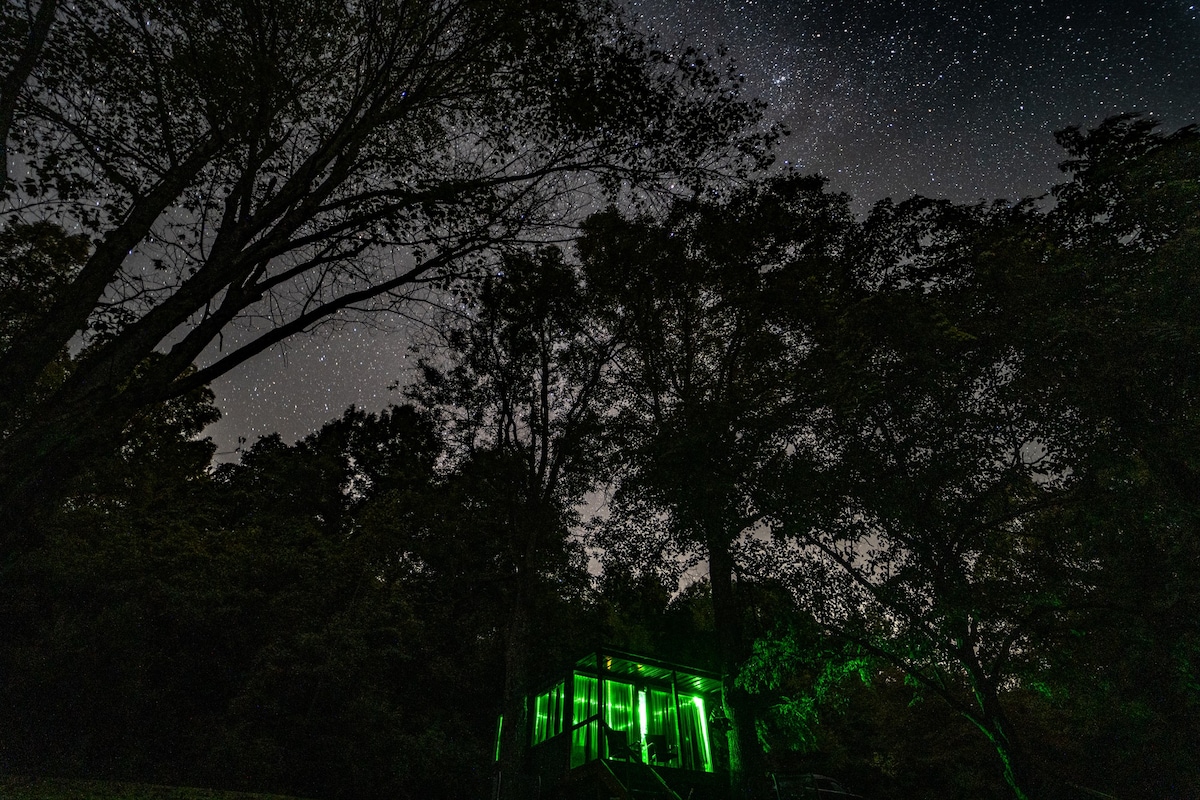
[{"x": 940, "y": 468}]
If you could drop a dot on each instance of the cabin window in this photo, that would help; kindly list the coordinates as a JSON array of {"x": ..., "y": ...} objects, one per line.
[
  {"x": 548, "y": 713},
  {"x": 661, "y": 727},
  {"x": 693, "y": 733},
  {"x": 585, "y": 731},
  {"x": 622, "y": 709},
  {"x": 621, "y": 719}
]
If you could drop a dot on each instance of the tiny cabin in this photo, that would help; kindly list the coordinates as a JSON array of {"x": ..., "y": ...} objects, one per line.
[{"x": 621, "y": 725}]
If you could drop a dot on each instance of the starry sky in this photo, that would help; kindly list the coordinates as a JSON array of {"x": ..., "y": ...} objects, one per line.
[{"x": 884, "y": 97}]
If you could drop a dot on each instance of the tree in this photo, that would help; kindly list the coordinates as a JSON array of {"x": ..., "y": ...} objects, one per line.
[
  {"x": 37, "y": 260},
  {"x": 519, "y": 388},
  {"x": 96, "y": 638},
  {"x": 1104, "y": 292},
  {"x": 284, "y": 624},
  {"x": 362, "y": 679},
  {"x": 921, "y": 511},
  {"x": 999, "y": 381},
  {"x": 247, "y": 170},
  {"x": 711, "y": 302}
]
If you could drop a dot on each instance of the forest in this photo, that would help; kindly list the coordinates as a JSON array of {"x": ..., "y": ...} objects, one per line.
[{"x": 920, "y": 485}]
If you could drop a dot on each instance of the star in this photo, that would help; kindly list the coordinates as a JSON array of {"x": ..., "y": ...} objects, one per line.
[{"x": 884, "y": 97}]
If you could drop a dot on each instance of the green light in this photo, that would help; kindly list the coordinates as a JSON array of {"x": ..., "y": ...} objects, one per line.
[
  {"x": 645, "y": 728},
  {"x": 585, "y": 735},
  {"x": 699, "y": 701},
  {"x": 548, "y": 714},
  {"x": 499, "y": 728}
]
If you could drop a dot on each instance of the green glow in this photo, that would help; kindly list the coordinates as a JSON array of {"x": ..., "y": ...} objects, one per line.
[
  {"x": 619, "y": 714},
  {"x": 548, "y": 713},
  {"x": 585, "y": 732},
  {"x": 704, "y": 746},
  {"x": 625, "y": 718},
  {"x": 499, "y": 729},
  {"x": 618, "y": 701},
  {"x": 645, "y": 727},
  {"x": 663, "y": 724},
  {"x": 587, "y": 698},
  {"x": 585, "y": 743}
]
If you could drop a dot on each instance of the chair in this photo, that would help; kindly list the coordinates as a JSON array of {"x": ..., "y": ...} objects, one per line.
[
  {"x": 659, "y": 749},
  {"x": 619, "y": 746}
]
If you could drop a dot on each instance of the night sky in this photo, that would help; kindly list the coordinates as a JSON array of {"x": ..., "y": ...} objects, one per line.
[{"x": 884, "y": 97}]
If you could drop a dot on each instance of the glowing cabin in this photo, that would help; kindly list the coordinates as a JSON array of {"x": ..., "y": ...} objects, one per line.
[{"x": 622, "y": 725}]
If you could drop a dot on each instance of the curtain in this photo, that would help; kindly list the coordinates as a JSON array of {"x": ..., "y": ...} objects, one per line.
[
  {"x": 620, "y": 711},
  {"x": 548, "y": 714},
  {"x": 585, "y": 733},
  {"x": 660, "y": 721},
  {"x": 693, "y": 733},
  {"x": 620, "y": 716}
]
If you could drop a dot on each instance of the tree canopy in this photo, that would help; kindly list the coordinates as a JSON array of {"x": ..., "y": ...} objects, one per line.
[
  {"x": 245, "y": 170},
  {"x": 939, "y": 464}
]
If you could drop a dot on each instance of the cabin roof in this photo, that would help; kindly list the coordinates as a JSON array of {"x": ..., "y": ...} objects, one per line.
[{"x": 614, "y": 663}]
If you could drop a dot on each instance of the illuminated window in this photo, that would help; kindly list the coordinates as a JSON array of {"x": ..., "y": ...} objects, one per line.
[
  {"x": 624, "y": 709},
  {"x": 662, "y": 728},
  {"x": 693, "y": 734},
  {"x": 585, "y": 732},
  {"x": 623, "y": 738},
  {"x": 548, "y": 713}
]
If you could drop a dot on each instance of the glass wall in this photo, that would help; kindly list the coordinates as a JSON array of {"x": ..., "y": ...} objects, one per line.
[
  {"x": 695, "y": 750},
  {"x": 623, "y": 738},
  {"x": 548, "y": 713},
  {"x": 618, "y": 720},
  {"x": 661, "y": 725},
  {"x": 585, "y": 731}
]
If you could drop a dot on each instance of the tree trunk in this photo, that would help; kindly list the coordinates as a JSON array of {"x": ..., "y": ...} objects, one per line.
[
  {"x": 513, "y": 741},
  {"x": 514, "y": 737},
  {"x": 995, "y": 725},
  {"x": 12, "y": 83},
  {"x": 745, "y": 753}
]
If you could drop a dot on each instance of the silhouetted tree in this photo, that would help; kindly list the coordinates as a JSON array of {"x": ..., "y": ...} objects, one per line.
[
  {"x": 711, "y": 303},
  {"x": 1104, "y": 293},
  {"x": 519, "y": 388},
  {"x": 966, "y": 507},
  {"x": 246, "y": 170}
]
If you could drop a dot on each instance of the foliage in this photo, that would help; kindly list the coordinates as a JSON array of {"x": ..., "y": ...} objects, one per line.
[
  {"x": 703, "y": 301},
  {"x": 244, "y": 629},
  {"x": 949, "y": 449},
  {"x": 710, "y": 302},
  {"x": 990, "y": 385},
  {"x": 519, "y": 387},
  {"x": 885, "y": 743},
  {"x": 36, "y": 261},
  {"x": 245, "y": 171},
  {"x": 525, "y": 372},
  {"x": 805, "y": 674},
  {"x": 1119, "y": 292}
]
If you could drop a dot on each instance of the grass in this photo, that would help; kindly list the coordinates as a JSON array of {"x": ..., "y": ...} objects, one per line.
[{"x": 23, "y": 788}]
